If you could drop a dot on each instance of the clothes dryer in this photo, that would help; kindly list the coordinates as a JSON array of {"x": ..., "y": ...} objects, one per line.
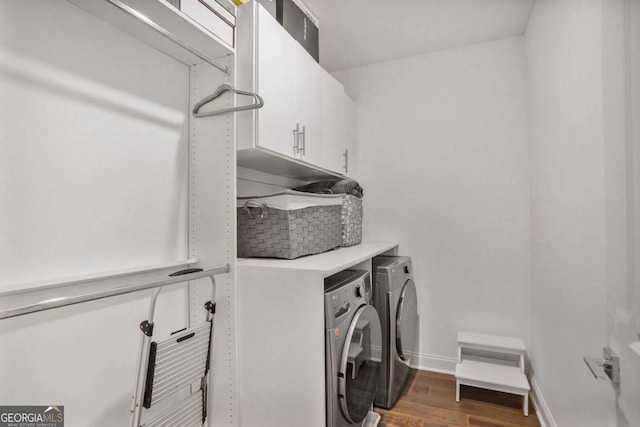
[
  {"x": 394, "y": 296},
  {"x": 353, "y": 344}
]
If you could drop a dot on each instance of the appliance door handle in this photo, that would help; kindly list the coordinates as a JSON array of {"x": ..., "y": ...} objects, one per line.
[{"x": 341, "y": 311}]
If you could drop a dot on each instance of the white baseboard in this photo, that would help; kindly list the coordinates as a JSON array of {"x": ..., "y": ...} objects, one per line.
[
  {"x": 447, "y": 365},
  {"x": 430, "y": 362},
  {"x": 542, "y": 409}
]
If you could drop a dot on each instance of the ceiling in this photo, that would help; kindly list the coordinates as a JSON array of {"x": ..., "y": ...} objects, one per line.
[{"x": 361, "y": 32}]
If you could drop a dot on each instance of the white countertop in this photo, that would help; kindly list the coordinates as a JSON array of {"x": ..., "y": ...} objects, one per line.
[{"x": 326, "y": 263}]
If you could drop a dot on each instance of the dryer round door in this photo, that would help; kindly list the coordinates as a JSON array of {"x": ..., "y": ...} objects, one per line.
[
  {"x": 407, "y": 321},
  {"x": 360, "y": 364}
]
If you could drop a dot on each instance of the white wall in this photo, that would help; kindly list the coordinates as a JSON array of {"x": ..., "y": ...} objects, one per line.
[
  {"x": 93, "y": 157},
  {"x": 567, "y": 206},
  {"x": 579, "y": 196},
  {"x": 620, "y": 148},
  {"x": 442, "y": 156},
  {"x": 93, "y": 177}
]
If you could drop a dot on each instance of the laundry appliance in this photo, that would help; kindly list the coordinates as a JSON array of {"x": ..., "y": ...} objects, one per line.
[
  {"x": 394, "y": 297},
  {"x": 353, "y": 344}
]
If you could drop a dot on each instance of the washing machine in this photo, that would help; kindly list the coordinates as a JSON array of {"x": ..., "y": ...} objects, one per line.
[
  {"x": 394, "y": 297},
  {"x": 353, "y": 344}
]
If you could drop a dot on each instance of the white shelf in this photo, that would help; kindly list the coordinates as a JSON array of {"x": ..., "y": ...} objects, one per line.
[
  {"x": 327, "y": 263},
  {"x": 166, "y": 22},
  {"x": 492, "y": 374},
  {"x": 274, "y": 163}
]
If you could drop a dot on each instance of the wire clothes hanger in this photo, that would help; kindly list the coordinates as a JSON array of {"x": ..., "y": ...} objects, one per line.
[{"x": 222, "y": 89}]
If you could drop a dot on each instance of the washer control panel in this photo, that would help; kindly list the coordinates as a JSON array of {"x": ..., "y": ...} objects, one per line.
[{"x": 344, "y": 293}]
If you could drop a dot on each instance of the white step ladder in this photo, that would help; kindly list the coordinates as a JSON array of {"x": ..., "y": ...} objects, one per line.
[
  {"x": 492, "y": 362},
  {"x": 173, "y": 367}
]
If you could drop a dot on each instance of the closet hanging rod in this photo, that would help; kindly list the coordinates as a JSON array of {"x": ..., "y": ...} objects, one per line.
[
  {"x": 106, "y": 293},
  {"x": 167, "y": 34},
  {"x": 222, "y": 89}
]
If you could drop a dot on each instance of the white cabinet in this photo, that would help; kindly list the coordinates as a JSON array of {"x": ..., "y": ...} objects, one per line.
[
  {"x": 276, "y": 82},
  {"x": 281, "y": 331},
  {"x": 351, "y": 136},
  {"x": 333, "y": 122},
  {"x": 302, "y": 119},
  {"x": 282, "y": 72},
  {"x": 308, "y": 93}
]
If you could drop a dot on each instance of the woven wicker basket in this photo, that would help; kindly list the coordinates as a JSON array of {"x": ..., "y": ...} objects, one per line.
[
  {"x": 351, "y": 220},
  {"x": 352, "y": 192},
  {"x": 276, "y": 230}
]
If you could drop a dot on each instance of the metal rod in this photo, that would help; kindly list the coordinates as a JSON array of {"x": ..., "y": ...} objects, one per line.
[
  {"x": 152, "y": 304},
  {"x": 164, "y": 32},
  {"x": 106, "y": 293},
  {"x": 91, "y": 278}
]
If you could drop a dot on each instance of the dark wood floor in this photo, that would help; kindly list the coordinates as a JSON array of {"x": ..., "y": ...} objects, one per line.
[{"x": 429, "y": 400}]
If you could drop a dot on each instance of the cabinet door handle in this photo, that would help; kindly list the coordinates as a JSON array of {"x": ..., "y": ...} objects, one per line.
[
  {"x": 303, "y": 134},
  {"x": 305, "y": 28},
  {"x": 296, "y": 139},
  {"x": 346, "y": 161}
]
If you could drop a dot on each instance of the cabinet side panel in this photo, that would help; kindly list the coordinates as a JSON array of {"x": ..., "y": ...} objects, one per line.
[
  {"x": 246, "y": 36},
  {"x": 281, "y": 348}
]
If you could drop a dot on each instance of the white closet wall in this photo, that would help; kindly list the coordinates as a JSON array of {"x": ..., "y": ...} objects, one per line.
[
  {"x": 443, "y": 159},
  {"x": 102, "y": 169},
  {"x": 93, "y": 171}
]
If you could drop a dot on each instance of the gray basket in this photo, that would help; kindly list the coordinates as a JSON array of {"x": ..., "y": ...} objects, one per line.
[
  {"x": 269, "y": 232},
  {"x": 351, "y": 220}
]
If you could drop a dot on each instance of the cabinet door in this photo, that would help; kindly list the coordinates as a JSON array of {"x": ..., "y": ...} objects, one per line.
[
  {"x": 308, "y": 93},
  {"x": 333, "y": 123},
  {"x": 276, "y": 76},
  {"x": 351, "y": 136}
]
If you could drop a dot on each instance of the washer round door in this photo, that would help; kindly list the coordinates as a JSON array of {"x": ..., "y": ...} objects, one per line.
[
  {"x": 360, "y": 364},
  {"x": 407, "y": 321}
]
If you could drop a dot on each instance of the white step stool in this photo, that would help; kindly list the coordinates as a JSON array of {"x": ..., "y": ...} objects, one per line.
[{"x": 492, "y": 362}]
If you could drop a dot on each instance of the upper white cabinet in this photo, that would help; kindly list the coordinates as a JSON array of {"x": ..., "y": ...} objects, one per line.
[
  {"x": 333, "y": 119},
  {"x": 287, "y": 79},
  {"x": 276, "y": 61},
  {"x": 308, "y": 93},
  {"x": 350, "y": 135},
  {"x": 300, "y": 130}
]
